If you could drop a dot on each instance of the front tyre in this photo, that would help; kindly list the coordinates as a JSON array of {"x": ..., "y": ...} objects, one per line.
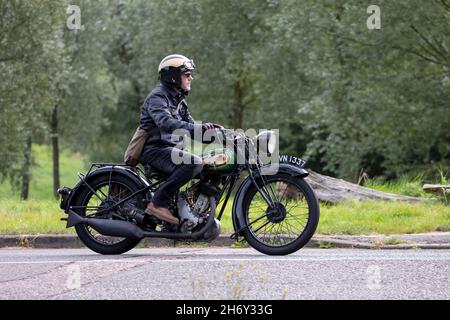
[{"x": 288, "y": 223}]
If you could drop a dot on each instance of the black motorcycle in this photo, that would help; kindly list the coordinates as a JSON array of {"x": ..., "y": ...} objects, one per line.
[{"x": 277, "y": 214}]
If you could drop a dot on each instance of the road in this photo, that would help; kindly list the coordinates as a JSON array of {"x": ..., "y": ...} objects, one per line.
[{"x": 224, "y": 273}]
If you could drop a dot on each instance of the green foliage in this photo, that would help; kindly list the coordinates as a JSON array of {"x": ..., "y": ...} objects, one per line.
[
  {"x": 31, "y": 50},
  {"x": 86, "y": 92},
  {"x": 404, "y": 185},
  {"x": 41, "y": 181},
  {"x": 377, "y": 94},
  {"x": 344, "y": 97},
  {"x": 44, "y": 65}
]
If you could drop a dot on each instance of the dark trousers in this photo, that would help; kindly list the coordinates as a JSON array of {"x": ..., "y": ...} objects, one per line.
[{"x": 167, "y": 159}]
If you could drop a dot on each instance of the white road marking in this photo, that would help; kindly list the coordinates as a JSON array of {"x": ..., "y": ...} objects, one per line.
[{"x": 263, "y": 259}]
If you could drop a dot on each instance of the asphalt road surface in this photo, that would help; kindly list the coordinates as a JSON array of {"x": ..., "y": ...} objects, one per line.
[{"x": 224, "y": 273}]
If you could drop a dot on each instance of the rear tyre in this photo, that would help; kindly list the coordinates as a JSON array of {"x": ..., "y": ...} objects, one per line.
[{"x": 110, "y": 190}]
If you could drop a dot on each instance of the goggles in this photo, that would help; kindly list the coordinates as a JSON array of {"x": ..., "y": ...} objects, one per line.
[{"x": 188, "y": 65}]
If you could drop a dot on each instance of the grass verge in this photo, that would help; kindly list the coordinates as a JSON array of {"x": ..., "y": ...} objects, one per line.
[
  {"x": 383, "y": 217},
  {"x": 31, "y": 217},
  {"x": 351, "y": 218}
]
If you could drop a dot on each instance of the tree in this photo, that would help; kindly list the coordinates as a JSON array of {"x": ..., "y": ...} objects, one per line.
[
  {"x": 29, "y": 57},
  {"x": 53, "y": 75},
  {"x": 85, "y": 87},
  {"x": 377, "y": 92},
  {"x": 346, "y": 98},
  {"x": 226, "y": 81}
]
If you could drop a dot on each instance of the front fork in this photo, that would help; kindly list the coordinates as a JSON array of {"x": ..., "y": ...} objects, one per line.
[
  {"x": 265, "y": 190},
  {"x": 269, "y": 197}
]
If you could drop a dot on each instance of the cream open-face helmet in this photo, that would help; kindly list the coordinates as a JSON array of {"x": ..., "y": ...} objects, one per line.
[{"x": 171, "y": 67}]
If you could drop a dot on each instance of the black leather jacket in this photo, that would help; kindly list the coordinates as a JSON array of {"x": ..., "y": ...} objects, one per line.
[{"x": 164, "y": 110}]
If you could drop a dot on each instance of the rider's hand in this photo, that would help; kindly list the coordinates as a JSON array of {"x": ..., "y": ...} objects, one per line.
[{"x": 207, "y": 126}]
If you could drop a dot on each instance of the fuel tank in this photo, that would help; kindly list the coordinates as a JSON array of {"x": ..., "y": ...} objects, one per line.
[{"x": 219, "y": 159}]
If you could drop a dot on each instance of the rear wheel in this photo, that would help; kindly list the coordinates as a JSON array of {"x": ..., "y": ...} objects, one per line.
[
  {"x": 288, "y": 223},
  {"x": 108, "y": 191}
]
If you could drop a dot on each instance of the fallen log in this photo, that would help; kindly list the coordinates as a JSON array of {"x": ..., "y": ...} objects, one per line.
[
  {"x": 335, "y": 190},
  {"x": 437, "y": 189}
]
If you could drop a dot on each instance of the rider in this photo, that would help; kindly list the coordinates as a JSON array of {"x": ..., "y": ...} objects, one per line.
[{"x": 165, "y": 110}]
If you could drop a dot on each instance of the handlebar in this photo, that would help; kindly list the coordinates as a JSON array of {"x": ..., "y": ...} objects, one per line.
[
  {"x": 218, "y": 126},
  {"x": 229, "y": 134}
]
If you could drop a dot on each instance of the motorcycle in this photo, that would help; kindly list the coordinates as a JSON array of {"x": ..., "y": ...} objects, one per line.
[{"x": 277, "y": 214}]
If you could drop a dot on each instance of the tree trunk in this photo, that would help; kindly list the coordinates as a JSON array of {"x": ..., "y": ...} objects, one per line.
[
  {"x": 55, "y": 150},
  {"x": 26, "y": 171},
  {"x": 332, "y": 190}
]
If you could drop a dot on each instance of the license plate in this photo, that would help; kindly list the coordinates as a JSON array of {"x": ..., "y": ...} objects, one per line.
[{"x": 296, "y": 161}]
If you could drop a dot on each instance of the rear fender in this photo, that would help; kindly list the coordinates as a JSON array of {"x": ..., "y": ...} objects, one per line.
[{"x": 109, "y": 171}]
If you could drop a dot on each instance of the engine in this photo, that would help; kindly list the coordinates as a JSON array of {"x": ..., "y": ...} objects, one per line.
[
  {"x": 193, "y": 205},
  {"x": 190, "y": 218}
]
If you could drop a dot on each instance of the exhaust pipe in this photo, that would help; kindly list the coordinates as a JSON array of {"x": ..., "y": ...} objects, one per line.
[
  {"x": 107, "y": 227},
  {"x": 117, "y": 228}
]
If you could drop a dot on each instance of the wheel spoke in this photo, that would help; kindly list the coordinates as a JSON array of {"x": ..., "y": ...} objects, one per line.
[
  {"x": 297, "y": 206},
  {"x": 112, "y": 192},
  {"x": 262, "y": 226},
  {"x": 278, "y": 230}
]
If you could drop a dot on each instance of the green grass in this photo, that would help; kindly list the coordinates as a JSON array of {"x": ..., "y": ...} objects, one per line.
[
  {"x": 41, "y": 185},
  {"x": 41, "y": 213},
  {"x": 405, "y": 185},
  {"x": 31, "y": 217},
  {"x": 352, "y": 218},
  {"x": 383, "y": 217},
  {"x": 393, "y": 241},
  {"x": 326, "y": 245}
]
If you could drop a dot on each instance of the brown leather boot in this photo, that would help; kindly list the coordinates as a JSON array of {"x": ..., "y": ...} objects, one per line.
[{"x": 161, "y": 213}]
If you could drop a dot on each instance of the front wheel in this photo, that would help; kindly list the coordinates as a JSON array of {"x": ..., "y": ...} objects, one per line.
[{"x": 283, "y": 217}]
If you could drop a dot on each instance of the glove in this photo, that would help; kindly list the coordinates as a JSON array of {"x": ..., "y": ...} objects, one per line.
[{"x": 207, "y": 126}]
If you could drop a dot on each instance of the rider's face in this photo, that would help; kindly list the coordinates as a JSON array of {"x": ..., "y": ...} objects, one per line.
[{"x": 186, "y": 79}]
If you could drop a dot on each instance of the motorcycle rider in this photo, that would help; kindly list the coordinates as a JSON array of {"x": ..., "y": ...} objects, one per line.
[{"x": 165, "y": 110}]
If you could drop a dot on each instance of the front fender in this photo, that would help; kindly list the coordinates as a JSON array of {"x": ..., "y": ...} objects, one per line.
[
  {"x": 106, "y": 170},
  {"x": 283, "y": 168}
]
